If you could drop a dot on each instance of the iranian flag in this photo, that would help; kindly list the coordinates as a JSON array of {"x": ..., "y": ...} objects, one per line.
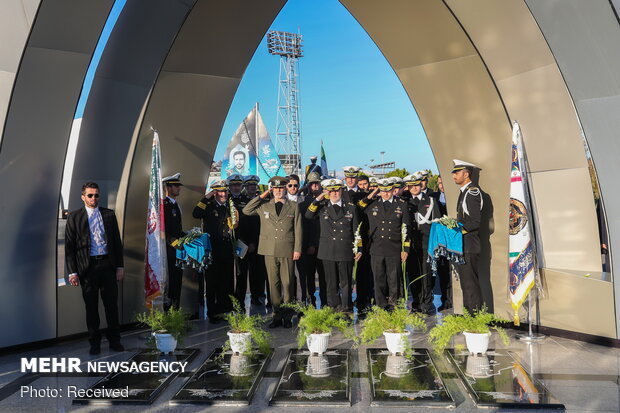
[
  {"x": 155, "y": 264},
  {"x": 520, "y": 245}
]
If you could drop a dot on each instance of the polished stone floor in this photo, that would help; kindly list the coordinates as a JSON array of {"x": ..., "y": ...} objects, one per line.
[{"x": 584, "y": 377}]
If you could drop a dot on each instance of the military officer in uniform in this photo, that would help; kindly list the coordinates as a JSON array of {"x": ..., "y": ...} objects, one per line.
[
  {"x": 386, "y": 218},
  {"x": 443, "y": 266},
  {"x": 468, "y": 213},
  {"x": 309, "y": 265},
  {"x": 280, "y": 243},
  {"x": 352, "y": 192},
  {"x": 399, "y": 185},
  {"x": 424, "y": 175},
  {"x": 313, "y": 167},
  {"x": 174, "y": 231},
  {"x": 218, "y": 220},
  {"x": 424, "y": 209},
  {"x": 339, "y": 223},
  {"x": 239, "y": 199},
  {"x": 254, "y": 264}
]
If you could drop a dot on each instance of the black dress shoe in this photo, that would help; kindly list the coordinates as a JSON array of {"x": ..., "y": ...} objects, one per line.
[
  {"x": 95, "y": 349},
  {"x": 117, "y": 346},
  {"x": 287, "y": 324},
  {"x": 276, "y": 322}
]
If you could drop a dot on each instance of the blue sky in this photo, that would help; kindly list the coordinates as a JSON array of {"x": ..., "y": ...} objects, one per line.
[{"x": 350, "y": 96}]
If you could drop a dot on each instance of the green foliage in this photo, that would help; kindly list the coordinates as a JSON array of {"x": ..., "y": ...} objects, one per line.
[
  {"x": 399, "y": 172},
  {"x": 432, "y": 181},
  {"x": 379, "y": 320},
  {"x": 240, "y": 322},
  {"x": 481, "y": 322},
  {"x": 320, "y": 321},
  {"x": 174, "y": 321}
]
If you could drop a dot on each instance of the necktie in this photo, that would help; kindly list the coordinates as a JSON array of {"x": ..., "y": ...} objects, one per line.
[
  {"x": 337, "y": 208},
  {"x": 279, "y": 206}
]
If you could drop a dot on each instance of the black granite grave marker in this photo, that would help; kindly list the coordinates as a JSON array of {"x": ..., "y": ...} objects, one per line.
[
  {"x": 498, "y": 380},
  {"x": 313, "y": 380},
  {"x": 398, "y": 381},
  {"x": 143, "y": 388},
  {"x": 228, "y": 381}
]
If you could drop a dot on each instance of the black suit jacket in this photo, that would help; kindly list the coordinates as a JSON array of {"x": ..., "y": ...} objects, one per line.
[
  {"x": 468, "y": 213},
  {"x": 384, "y": 226},
  {"x": 77, "y": 240},
  {"x": 337, "y": 229}
]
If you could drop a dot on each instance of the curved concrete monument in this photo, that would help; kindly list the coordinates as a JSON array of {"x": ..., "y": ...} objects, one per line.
[{"x": 470, "y": 67}]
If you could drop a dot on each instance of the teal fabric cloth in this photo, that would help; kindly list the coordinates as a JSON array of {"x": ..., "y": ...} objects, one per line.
[
  {"x": 195, "y": 254},
  {"x": 445, "y": 242}
]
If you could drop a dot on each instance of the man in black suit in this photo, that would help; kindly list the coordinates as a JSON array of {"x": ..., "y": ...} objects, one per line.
[
  {"x": 174, "y": 231},
  {"x": 94, "y": 259},
  {"x": 468, "y": 213},
  {"x": 386, "y": 217},
  {"x": 339, "y": 221}
]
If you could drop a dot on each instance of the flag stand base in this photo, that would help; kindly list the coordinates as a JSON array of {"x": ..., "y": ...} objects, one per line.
[{"x": 531, "y": 337}]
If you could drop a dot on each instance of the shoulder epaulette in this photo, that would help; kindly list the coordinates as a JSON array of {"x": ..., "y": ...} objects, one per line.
[{"x": 473, "y": 190}]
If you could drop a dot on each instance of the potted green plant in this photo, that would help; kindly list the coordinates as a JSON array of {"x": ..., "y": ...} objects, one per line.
[
  {"x": 168, "y": 327},
  {"x": 245, "y": 330},
  {"x": 392, "y": 325},
  {"x": 476, "y": 328},
  {"x": 316, "y": 326}
]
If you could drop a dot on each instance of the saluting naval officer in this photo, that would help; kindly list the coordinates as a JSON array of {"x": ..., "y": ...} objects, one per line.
[
  {"x": 468, "y": 213},
  {"x": 386, "y": 217},
  {"x": 339, "y": 222},
  {"x": 425, "y": 209},
  {"x": 280, "y": 243},
  {"x": 352, "y": 192},
  {"x": 174, "y": 231},
  {"x": 215, "y": 212}
]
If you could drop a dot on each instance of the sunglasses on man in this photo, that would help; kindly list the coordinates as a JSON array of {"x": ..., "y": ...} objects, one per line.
[
  {"x": 92, "y": 195},
  {"x": 293, "y": 185}
]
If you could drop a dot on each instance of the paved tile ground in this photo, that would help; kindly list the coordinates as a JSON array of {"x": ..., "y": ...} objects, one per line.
[{"x": 583, "y": 376}]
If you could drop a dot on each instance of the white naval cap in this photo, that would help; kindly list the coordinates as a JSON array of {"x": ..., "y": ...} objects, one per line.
[
  {"x": 172, "y": 179},
  {"x": 459, "y": 165}
]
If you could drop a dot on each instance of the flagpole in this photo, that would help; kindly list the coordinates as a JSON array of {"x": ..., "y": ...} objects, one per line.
[{"x": 531, "y": 336}]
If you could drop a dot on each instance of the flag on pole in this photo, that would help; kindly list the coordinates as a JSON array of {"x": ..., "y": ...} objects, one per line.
[
  {"x": 323, "y": 161},
  {"x": 155, "y": 263},
  {"x": 520, "y": 245}
]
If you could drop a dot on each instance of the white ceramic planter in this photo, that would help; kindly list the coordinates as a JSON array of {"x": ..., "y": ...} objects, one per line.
[
  {"x": 318, "y": 366},
  {"x": 396, "y": 342},
  {"x": 396, "y": 366},
  {"x": 239, "y": 365},
  {"x": 317, "y": 343},
  {"x": 166, "y": 343},
  {"x": 478, "y": 366},
  {"x": 477, "y": 343},
  {"x": 240, "y": 342}
]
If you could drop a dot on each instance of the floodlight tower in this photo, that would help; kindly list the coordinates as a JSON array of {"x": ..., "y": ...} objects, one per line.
[{"x": 288, "y": 126}]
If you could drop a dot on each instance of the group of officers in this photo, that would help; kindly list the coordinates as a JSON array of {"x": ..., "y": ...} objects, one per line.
[{"x": 359, "y": 230}]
